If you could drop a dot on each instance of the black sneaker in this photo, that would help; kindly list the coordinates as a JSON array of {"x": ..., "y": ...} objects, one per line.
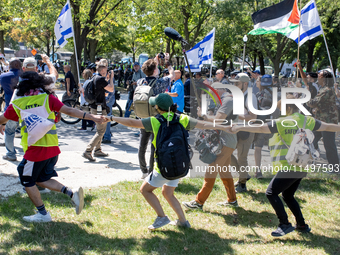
[
  {"x": 192, "y": 205},
  {"x": 283, "y": 229},
  {"x": 303, "y": 228}
]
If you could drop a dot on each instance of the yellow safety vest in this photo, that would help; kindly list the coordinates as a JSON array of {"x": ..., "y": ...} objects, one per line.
[
  {"x": 50, "y": 139},
  {"x": 278, "y": 150}
]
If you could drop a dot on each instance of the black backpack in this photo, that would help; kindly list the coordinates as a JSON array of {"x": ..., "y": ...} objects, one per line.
[
  {"x": 172, "y": 148},
  {"x": 90, "y": 91}
]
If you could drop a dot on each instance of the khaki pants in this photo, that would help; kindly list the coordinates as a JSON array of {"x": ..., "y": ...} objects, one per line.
[
  {"x": 243, "y": 147},
  {"x": 210, "y": 176},
  {"x": 96, "y": 140}
]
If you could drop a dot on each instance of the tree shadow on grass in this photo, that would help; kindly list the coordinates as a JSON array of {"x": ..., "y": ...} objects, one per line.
[
  {"x": 187, "y": 188},
  {"x": 74, "y": 238},
  {"x": 321, "y": 186},
  {"x": 247, "y": 218}
]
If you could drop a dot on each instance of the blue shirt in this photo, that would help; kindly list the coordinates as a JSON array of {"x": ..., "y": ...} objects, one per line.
[
  {"x": 8, "y": 81},
  {"x": 179, "y": 89}
]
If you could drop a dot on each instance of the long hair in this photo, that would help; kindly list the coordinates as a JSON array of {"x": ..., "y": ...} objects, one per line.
[{"x": 33, "y": 81}]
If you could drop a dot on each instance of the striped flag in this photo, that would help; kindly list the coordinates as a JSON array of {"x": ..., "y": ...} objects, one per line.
[
  {"x": 63, "y": 26},
  {"x": 279, "y": 18},
  {"x": 201, "y": 53},
  {"x": 310, "y": 24}
]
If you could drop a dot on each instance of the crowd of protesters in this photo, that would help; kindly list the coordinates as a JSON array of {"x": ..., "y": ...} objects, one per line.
[{"x": 175, "y": 90}]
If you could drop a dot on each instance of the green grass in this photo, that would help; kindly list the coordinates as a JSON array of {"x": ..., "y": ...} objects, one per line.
[{"x": 115, "y": 221}]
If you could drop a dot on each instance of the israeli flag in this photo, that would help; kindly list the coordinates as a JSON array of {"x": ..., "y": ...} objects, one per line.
[
  {"x": 310, "y": 24},
  {"x": 63, "y": 26},
  {"x": 201, "y": 53}
]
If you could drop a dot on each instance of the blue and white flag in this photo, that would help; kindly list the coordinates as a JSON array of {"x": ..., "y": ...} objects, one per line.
[
  {"x": 63, "y": 28},
  {"x": 201, "y": 53},
  {"x": 310, "y": 24}
]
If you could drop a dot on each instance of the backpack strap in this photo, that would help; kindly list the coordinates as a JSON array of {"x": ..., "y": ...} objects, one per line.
[
  {"x": 304, "y": 123},
  {"x": 304, "y": 126}
]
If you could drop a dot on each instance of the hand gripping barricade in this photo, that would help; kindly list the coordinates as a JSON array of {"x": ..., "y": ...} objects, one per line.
[
  {"x": 301, "y": 151},
  {"x": 36, "y": 122}
]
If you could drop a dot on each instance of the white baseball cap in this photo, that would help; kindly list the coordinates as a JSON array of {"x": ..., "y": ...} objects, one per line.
[{"x": 30, "y": 63}]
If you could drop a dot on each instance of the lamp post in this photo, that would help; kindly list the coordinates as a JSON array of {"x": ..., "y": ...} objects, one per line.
[{"x": 245, "y": 39}]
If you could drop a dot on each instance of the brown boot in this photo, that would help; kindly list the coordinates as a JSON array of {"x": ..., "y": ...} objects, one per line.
[
  {"x": 88, "y": 155},
  {"x": 99, "y": 153}
]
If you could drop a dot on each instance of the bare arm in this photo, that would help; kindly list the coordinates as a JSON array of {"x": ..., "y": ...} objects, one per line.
[
  {"x": 171, "y": 73},
  {"x": 329, "y": 127},
  {"x": 263, "y": 129},
  {"x": 303, "y": 75},
  {"x": 219, "y": 116},
  {"x": 3, "y": 120},
  {"x": 209, "y": 125},
  {"x": 110, "y": 87},
  {"x": 67, "y": 80},
  {"x": 50, "y": 66},
  {"x": 127, "y": 121},
  {"x": 80, "y": 114},
  {"x": 173, "y": 94}
]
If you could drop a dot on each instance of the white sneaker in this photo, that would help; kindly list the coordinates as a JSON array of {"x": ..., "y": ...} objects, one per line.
[
  {"x": 38, "y": 217},
  {"x": 144, "y": 175},
  {"x": 180, "y": 224},
  {"x": 78, "y": 199},
  {"x": 159, "y": 222}
]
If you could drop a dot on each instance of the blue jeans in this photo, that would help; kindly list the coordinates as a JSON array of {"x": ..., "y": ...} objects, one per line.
[
  {"x": 110, "y": 100},
  {"x": 11, "y": 126},
  {"x": 127, "y": 108}
]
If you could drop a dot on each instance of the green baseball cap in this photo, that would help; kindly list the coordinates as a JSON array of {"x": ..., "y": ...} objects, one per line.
[{"x": 164, "y": 101}]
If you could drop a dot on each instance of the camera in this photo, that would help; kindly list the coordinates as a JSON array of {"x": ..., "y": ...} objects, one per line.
[{"x": 161, "y": 55}]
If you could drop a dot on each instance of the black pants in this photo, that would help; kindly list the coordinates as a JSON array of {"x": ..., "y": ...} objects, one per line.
[
  {"x": 143, "y": 144},
  {"x": 286, "y": 183},
  {"x": 330, "y": 146}
]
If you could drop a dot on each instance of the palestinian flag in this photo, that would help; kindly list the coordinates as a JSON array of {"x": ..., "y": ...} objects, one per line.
[{"x": 280, "y": 18}]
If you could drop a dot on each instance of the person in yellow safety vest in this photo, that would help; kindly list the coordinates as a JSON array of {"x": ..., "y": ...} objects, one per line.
[
  {"x": 37, "y": 166},
  {"x": 288, "y": 177},
  {"x": 164, "y": 106}
]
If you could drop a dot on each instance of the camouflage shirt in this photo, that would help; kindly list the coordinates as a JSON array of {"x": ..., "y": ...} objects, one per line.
[{"x": 324, "y": 105}]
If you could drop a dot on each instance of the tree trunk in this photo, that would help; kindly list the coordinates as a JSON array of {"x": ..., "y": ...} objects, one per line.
[
  {"x": 311, "y": 46},
  {"x": 224, "y": 64},
  {"x": 93, "y": 46},
  {"x": 254, "y": 63},
  {"x": 2, "y": 41},
  {"x": 231, "y": 64},
  {"x": 86, "y": 58},
  {"x": 48, "y": 46},
  {"x": 261, "y": 60}
]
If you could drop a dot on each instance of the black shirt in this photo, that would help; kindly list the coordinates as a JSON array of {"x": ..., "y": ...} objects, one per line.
[
  {"x": 100, "y": 83},
  {"x": 72, "y": 81}
]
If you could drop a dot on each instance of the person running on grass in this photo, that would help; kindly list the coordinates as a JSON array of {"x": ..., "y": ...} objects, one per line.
[
  {"x": 37, "y": 166},
  {"x": 286, "y": 182},
  {"x": 164, "y": 106}
]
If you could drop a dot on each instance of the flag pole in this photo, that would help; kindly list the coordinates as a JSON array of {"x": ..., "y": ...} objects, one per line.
[
  {"x": 324, "y": 37},
  {"x": 75, "y": 47},
  {"x": 298, "y": 53},
  {"x": 212, "y": 54}
]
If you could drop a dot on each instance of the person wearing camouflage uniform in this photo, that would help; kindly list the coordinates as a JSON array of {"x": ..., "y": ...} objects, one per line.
[{"x": 324, "y": 109}]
